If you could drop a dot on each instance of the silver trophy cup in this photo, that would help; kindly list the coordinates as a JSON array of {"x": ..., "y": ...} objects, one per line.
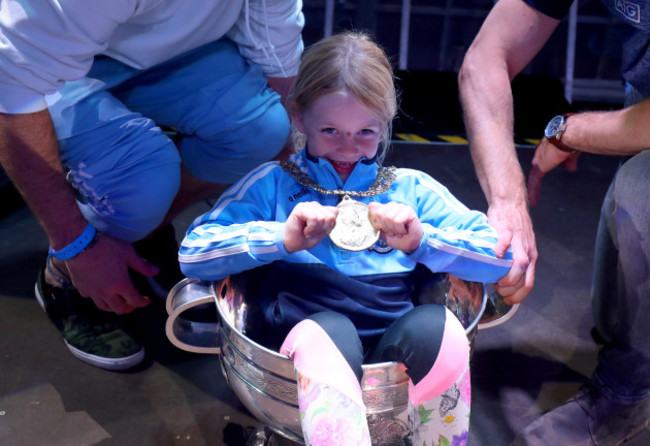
[{"x": 265, "y": 381}]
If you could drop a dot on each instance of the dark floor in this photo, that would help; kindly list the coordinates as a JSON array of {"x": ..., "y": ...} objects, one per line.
[{"x": 520, "y": 369}]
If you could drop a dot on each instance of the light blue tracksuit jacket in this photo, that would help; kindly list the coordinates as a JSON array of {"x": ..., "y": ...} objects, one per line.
[{"x": 244, "y": 231}]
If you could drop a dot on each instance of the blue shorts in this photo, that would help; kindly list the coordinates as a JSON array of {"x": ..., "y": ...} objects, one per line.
[{"x": 125, "y": 170}]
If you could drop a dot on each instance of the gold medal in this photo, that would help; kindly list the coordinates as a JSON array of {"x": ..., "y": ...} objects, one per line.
[{"x": 353, "y": 230}]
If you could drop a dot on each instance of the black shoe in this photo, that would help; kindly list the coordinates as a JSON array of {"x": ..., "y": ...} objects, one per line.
[
  {"x": 589, "y": 419},
  {"x": 90, "y": 334},
  {"x": 597, "y": 336}
]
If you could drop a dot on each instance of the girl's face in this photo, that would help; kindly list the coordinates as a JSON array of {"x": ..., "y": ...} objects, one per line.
[{"x": 341, "y": 130}]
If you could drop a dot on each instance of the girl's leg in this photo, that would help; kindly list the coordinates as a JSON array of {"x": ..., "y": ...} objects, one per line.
[
  {"x": 327, "y": 354},
  {"x": 431, "y": 342},
  {"x": 443, "y": 419}
]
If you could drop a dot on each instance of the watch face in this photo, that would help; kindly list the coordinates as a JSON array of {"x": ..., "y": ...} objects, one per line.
[{"x": 553, "y": 126}]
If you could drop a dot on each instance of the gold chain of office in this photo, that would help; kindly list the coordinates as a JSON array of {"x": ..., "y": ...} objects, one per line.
[{"x": 385, "y": 178}]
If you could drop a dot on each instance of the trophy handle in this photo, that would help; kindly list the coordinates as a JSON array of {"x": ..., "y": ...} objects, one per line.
[
  {"x": 191, "y": 335},
  {"x": 497, "y": 311}
]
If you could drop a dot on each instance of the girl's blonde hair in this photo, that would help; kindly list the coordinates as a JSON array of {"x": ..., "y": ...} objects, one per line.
[{"x": 347, "y": 62}]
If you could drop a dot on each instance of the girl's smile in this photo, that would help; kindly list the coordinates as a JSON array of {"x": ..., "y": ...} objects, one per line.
[{"x": 343, "y": 168}]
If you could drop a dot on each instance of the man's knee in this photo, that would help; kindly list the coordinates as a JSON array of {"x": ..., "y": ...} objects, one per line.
[
  {"x": 225, "y": 156},
  {"x": 266, "y": 136},
  {"x": 140, "y": 204},
  {"x": 632, "y": 177},
  {"x": 631, "y": 205}
]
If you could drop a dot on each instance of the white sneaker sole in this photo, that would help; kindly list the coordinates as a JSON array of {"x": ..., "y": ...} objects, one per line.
[{"x": 113, "y": 364}]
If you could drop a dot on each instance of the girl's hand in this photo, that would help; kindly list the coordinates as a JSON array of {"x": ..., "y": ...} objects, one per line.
[
  {"x": 399, "y": 225},
  {"x": 307, "y": 225}
]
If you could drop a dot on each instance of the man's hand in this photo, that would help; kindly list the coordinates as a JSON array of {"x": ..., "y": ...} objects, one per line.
[
  {"x": 399, "y": 225},
  {"x": 547, "y": 157},
  {"x": 281, "y": 85},
  {"x": 307, "y": 225},
  {"x": 102, "y": 273},
  {"x": 514, "y": 227}
]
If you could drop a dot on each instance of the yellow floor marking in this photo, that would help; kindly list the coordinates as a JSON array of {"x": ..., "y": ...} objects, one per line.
[
  {"x": 453, "y": 139},
  {"x": 411, "y": 137}
]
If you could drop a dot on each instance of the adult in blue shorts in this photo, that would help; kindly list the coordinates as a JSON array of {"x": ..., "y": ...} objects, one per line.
[
  {"x": 85, "y": 88},
  {"x": 614, "y": 406}
]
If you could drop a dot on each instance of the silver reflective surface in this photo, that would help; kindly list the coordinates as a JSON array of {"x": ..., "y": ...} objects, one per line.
[
  {"x": 264, "y": 380},
  {"x": 497, "y": 311}
]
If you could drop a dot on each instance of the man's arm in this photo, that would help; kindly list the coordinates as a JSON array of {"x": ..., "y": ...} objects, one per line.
[
  {"x": 281, "y": 85},
  {"x": 619, "y": 132},
  {"x": 29, "y": 154},
  {"x": 510, "y": 37}
]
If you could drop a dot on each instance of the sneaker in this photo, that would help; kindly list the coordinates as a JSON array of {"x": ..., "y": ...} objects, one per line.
[
  {"x": 89, "y": 333},
  {"x": 588, "y": 419}
]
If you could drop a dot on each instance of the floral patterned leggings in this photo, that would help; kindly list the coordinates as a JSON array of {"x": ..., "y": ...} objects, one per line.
[{"x": 428, "y": 340}]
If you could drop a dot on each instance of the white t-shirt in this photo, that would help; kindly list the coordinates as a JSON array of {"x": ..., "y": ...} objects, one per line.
[{"x": 44, "y": 43}]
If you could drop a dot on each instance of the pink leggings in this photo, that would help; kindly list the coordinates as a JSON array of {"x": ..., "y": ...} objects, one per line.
[{"x": 429, "y": 340}]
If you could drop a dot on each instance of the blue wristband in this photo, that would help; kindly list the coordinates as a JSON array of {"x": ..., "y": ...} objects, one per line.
[{"x": 76, "y": 247}]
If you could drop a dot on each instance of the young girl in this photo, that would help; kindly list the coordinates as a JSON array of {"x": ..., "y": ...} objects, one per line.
[{"x": 347, "y": 298}]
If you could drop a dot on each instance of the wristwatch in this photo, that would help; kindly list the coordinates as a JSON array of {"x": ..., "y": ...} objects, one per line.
[{"x": 554, "y": 130}]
